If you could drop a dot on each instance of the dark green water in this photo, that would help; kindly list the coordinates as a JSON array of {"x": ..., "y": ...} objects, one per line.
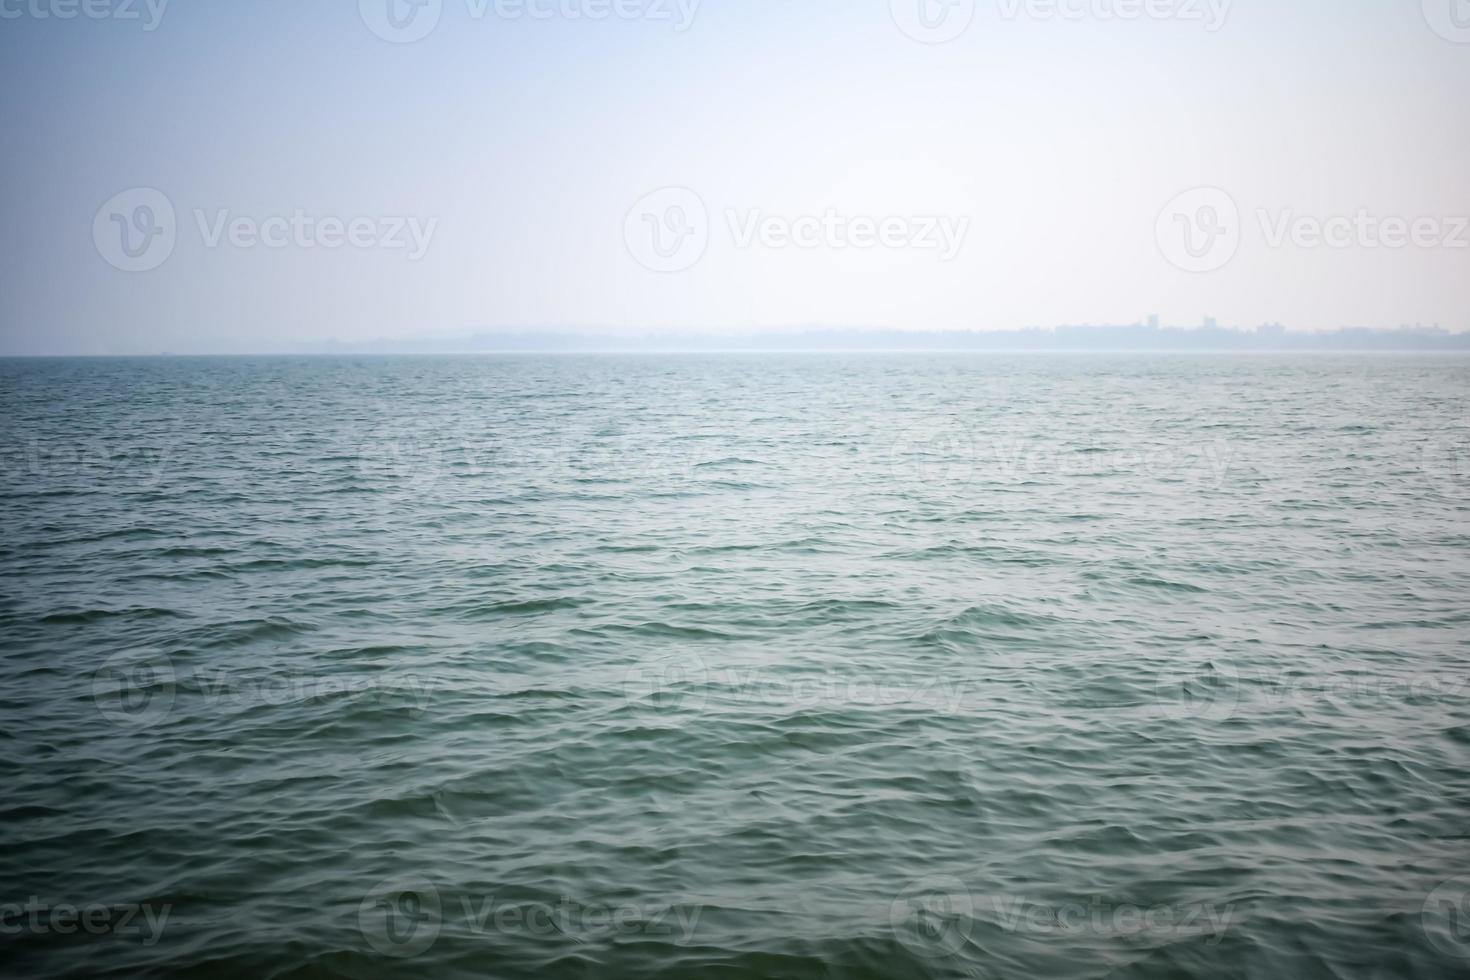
[{"x": 789, "y": 666}]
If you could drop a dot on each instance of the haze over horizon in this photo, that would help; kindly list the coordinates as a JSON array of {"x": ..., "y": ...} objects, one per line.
[{"x": 287, "y": 176}]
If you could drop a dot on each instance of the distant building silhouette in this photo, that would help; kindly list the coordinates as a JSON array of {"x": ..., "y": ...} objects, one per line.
[{"x": 1147, "y": 336}]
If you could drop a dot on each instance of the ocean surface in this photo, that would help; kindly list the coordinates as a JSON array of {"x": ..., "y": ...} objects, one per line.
[{"x": 797, "y": 666}]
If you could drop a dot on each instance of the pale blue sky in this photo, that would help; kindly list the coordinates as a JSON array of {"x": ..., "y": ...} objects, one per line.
[{"x": 519, "y": 146}]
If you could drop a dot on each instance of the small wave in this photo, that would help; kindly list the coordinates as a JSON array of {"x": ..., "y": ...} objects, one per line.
[
  {"x": 524, "y": 607},
  {"x": 77, "y": 616},
  {"x": 1159, "y": 583}
]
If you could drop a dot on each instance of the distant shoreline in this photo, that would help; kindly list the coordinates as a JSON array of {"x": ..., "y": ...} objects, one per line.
[
  {"x": 1137, "y": 339},
  {"x": 729, "y": 352}
]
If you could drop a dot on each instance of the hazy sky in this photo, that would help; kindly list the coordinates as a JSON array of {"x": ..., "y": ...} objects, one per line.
[{"x": 512, "y": 167}]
